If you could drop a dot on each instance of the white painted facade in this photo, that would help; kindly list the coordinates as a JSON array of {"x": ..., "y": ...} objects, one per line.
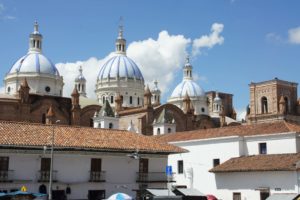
[
  {"x": 199, "y": 160},
  {"x": 73, "y": 171},
  {"x": 163, "y": 128}
]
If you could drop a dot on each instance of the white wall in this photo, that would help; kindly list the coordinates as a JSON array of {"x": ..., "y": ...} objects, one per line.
[
  {"x": 249, "y": 183},
  {"x": 73, "y": 171}
]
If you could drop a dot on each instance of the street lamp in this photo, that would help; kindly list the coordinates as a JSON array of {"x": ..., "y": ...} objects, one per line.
[{"x": 51, "y": 161}]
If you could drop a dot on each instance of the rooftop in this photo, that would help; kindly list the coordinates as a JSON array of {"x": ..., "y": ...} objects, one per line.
[
  {"x": 268, "y": 162},
  {"x": 240, "y": 130},
  {"x": 29, "y": 135}
]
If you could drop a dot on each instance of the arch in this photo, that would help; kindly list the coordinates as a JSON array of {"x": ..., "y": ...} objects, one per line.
[
  {"x": 130, "y": 100},
  {"x": 43, "y": 189},
  {"x": 110, "y": 125},
  {"x": 103, "y": 99},
  {"x": 111, "y": 99},
  {"x": 138, "y": 100},
  {"x": 202, "y": 109},
  {"x": 158, "y": 131},
  {"x": 264, "y": 105}
]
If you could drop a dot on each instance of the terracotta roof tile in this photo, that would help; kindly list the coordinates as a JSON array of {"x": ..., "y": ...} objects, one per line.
[
  {"x": 30, "y": 135},
  {"x": 271, "y": 162},
  {"x": 241, "y": 130}
]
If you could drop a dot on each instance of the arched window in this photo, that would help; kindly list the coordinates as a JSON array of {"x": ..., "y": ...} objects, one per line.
[
  {"x": 138, "y": 100},
  {"x": 286, "y": 100},
  {"x": 169, "y": 130},
  {"x": 203, "y": 110},
  {"x": 158, "y": 131},
  {"x": 44, "y": 118},
  {"x": 82, "y": 87},
  {"x": 43, "y": 189},
  {"x": 111, "y": 99},
  {"x": 130, "y": 100},
  {"x": 110, "y": 126},
  {"x": 91, "y": 123},
  {"x": 38, "y": 44},
  {"x": 103, "y": 99},
  {"x": 264, "y": 105}
]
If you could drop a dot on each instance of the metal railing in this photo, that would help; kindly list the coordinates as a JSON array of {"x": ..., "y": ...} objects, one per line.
[
  {"x": 44, "y": 176},
  {"x": 97, "y": 176},
  {"x": 6, "y": 175},
  {"x": 154, "y": 177}
]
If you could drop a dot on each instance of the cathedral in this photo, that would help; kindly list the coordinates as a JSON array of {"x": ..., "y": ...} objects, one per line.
[{"x": 34, "y": 88}]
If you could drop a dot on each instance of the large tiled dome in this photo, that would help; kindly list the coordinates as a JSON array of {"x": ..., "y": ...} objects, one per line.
[
  {"x": 187, "y": 86},
  {"x": 120, "y": 66}
]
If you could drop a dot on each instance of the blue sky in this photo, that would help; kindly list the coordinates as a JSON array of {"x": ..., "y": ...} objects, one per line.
[{"x": 260, "y": 39}]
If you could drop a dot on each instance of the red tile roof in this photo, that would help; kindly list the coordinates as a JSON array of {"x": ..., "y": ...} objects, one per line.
[
  {"x": 271, "y": 162},
  {"x": 16, "y": 134},
  {"x": 241, "y": 130}
]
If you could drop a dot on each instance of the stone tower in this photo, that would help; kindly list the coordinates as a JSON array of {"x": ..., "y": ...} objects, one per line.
[{"x": 268, "y": 98}]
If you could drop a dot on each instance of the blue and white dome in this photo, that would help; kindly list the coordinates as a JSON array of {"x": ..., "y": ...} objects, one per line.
[
  {"x": 34, "y": 62},
  {"x": 187, "y": 86},
  {"x": 120, "y": 66}
]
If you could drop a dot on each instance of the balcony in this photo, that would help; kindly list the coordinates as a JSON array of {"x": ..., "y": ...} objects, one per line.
[
  {"x": 154, "y": 177},
  {"x": 97, "y": 176},
  {"x": 44, "y": 176},
  {"x": 6, "y": 175}
]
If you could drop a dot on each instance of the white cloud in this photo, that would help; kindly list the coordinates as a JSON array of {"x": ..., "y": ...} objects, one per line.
[
  {"x": 160, "y": 59},
  {"x": 294, "y": 35},
  {"x": 9, "y": 17},
  {"x": 208, "y": 41},
  {"x": 274, "y": 38},
  {"x": 241, "y": 114},
  {"x": 2, "y": 8}
]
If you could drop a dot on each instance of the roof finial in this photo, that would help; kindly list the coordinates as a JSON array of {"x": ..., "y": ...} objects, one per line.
[
  {"x": 120, "y": 28},
  {"x": 80, "y": 70},
  {"x": 36, "y": 27},
  {"x": 187, "y": 59}
]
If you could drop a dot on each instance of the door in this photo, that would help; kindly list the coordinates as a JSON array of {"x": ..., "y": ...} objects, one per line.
[
  {"x": 264, "y": 195},
  {"x": 58, "y": 195},
  {"x": 143, "y": 169},
  {"x": 96, "y": 194},
  {"x": 237, "y": 196},
  {"x": 45, "y": 169},
  {"x": 4, "y": 168}
]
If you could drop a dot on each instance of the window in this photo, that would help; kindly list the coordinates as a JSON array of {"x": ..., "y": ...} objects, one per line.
[
  {"x": 8, "y": 89},
  {"x": 130, "y": 100},
  {"x": 44, "y": 118},
  {"x": 237, "y": 196},
  {"x": 47, "y": 89},
  {"x": 138, "y": 100},
  {"x": 169, "y": 130},
  {"x": 158, "y": 131},
  {"x": 45, "y": 164},
  {"x": 202, "y": 110},
  {"x": 96, "y": 164},
  {"x": 264, "y": 105},
  {"x": 110, "y": 126},
  {"x": 216, "y": 162},
  {"x": 262, "y": 148},
  {"x": 180, "y": 166},
  {"x": 103, "y": 99},
  {"x": 286, "y": 100},
  {"x": 111, "y": 99}
]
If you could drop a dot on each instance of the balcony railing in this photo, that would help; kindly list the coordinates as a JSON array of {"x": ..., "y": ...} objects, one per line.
[
  {"x": 44, "y": 176},
  {"x": 154, "y": 177},
  {"x": 97, "y": 176},
  {"x": 6, "y": 175}
]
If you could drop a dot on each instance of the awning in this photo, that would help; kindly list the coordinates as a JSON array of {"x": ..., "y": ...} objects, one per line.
[
  {"x": 189, "y": 192},
  {"x": 160, "y": 192},
  {"x": 283, "y": 197}
]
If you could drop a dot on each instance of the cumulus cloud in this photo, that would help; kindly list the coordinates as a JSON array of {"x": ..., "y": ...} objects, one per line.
[
  {"x": 90, "y": 70},
  {"x": 208, "y": 41},
  {"x": 294, "y": 35},
  {"x": 159, "y": 59}
]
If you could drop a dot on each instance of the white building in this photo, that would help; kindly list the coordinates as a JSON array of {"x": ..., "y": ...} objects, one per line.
[
  {"x": 247, "y": 162},
  {"x": 88, "y": 163},
  {"x": 120, "y": 75},
  {"x": 190, "y": 87},
  {"x": 42, "y": 76}
]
